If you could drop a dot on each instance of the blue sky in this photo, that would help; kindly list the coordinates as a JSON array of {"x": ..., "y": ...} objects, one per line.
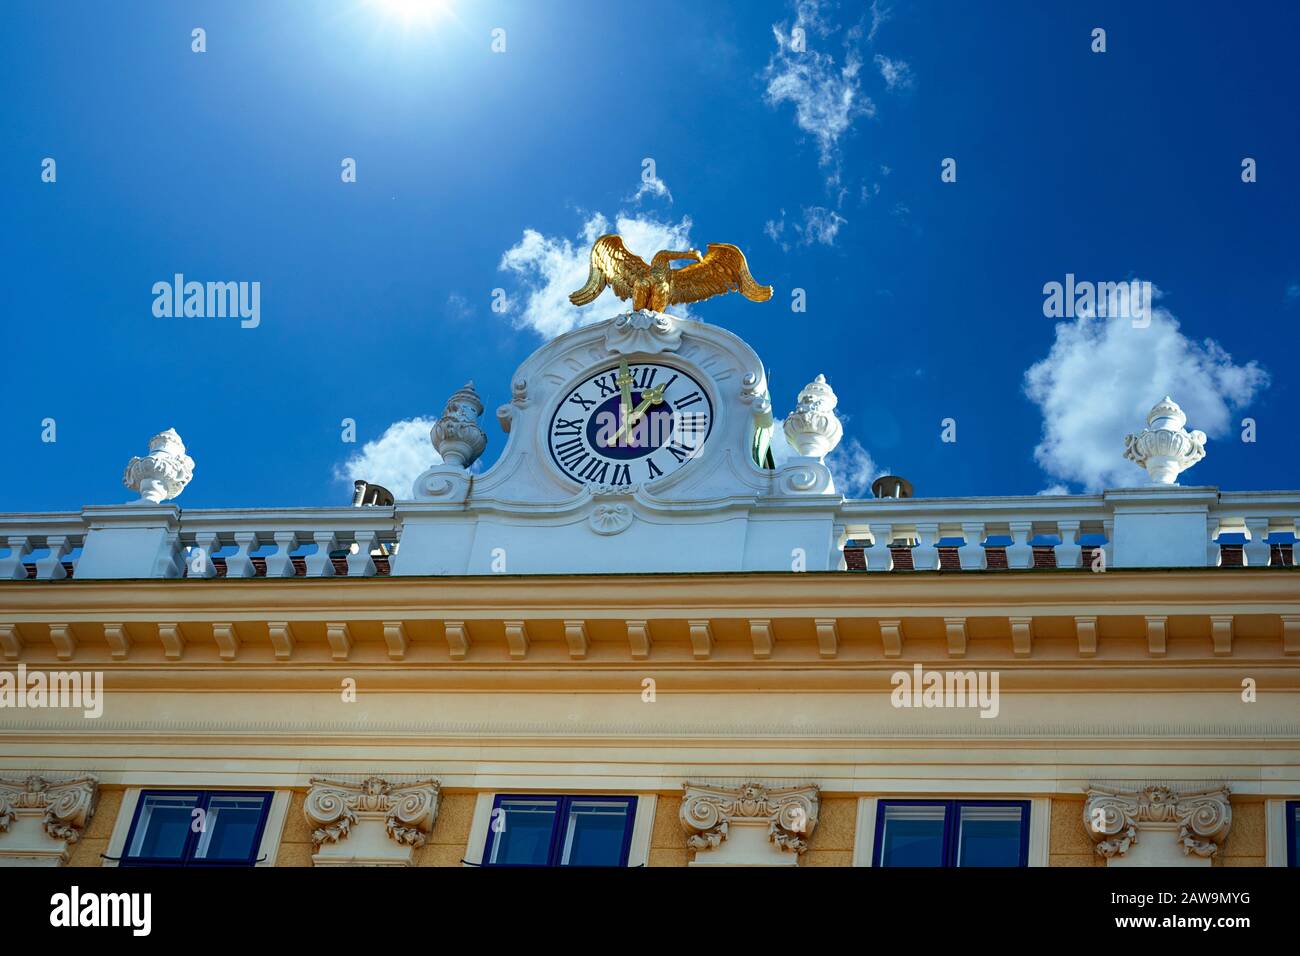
[{"x": 479, "y": 170}]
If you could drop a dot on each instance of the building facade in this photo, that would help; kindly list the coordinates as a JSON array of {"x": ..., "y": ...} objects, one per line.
[{"x": 632, "y": 640}]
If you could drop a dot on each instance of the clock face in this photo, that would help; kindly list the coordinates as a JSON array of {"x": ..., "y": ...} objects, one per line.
[{"x": 630, "y": 423}]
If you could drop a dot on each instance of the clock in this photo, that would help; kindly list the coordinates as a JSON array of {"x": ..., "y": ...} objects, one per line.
[{"x": 629, "y": 423}]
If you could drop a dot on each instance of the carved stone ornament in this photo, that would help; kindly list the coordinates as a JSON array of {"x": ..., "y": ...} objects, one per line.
[
  {"x": 1113, "y": 817},
  {"x": 644, "y": 331},
  {"x": 708, "y": 813},
  {"x": 609, "y": 517},
  {"x": 64, "y": 809},
  {"x": 1165, "y": 448},
  {"x": 164, "y": 472},
  {"x": 518, "y": 399},
  {"x": 812, "y": 428},
  {"x": 334, "y": 808},
  {"x": 457, "y": 436}
]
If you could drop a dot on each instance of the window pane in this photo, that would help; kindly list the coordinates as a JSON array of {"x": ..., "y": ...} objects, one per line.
[
  {"x": 989, "y": 836},
  {"x": 162, "y": 826},
  {"x": 594, "y": 833},
  {"x": 522, "y": 831},
  {"x": 912, "y": 836},
  {"x": 229, "y": 828}
]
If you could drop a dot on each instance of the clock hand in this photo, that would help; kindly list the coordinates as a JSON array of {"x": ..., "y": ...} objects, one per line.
[
  {"x": 625, "y": 393},
  {"x": 653, "y": 396}
]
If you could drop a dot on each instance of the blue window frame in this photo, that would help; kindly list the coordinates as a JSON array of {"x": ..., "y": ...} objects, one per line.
[
  {"x": 552, "y": 830},
  {"x": 196, "y": 828},
  {"x": 952, "y": 833},
  {"x": 1293, "y": 833}
]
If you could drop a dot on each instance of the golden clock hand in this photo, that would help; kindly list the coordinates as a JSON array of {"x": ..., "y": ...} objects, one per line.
[
  {"x": 653, "y": 396},
  {"x": 625, "y": 393}
]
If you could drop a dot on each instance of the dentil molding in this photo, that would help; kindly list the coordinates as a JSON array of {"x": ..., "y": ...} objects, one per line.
[
  {"x": 41, "y": 819},
  {"x": 1113, "y": 818},
  {"x": 750, "y": 825},
  {"x": 372, "y": 823}
]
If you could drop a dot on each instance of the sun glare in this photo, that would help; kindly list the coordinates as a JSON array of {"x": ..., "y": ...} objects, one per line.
[{"x": 413, "y": 11}]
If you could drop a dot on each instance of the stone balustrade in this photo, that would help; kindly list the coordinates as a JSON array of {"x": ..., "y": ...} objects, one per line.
[{"x": 1150, "y": 526}]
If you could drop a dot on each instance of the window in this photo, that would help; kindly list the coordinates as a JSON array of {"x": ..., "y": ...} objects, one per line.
[
  {"x": 952, "y": 833},
  {"x": 559, "y": 831},
  {"x": 196, "y": 828},
  {"x": 1293, "y": 833}
]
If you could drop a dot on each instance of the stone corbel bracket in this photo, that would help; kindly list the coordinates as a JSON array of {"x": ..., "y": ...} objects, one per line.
[
  {"x": 334, "y": 808},
  {"x": 1112, "y": 818},
  {"x": 64, "y": 808},
  {"x": 707, "y": 814}
]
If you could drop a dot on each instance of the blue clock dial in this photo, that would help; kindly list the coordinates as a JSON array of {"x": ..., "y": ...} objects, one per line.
[{"x": 606, "y": 430}]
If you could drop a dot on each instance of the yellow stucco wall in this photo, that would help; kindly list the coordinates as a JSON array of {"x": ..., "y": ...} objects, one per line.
[
  {"x": 1068, "y": 843},
  {"x": 831, "y": 843},
  {"x": 1246, "y": 843},
  {"x": 87, "y": 850}
]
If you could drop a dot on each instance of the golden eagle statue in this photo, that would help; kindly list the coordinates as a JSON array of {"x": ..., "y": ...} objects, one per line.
[{"x": 722, "y": 269}]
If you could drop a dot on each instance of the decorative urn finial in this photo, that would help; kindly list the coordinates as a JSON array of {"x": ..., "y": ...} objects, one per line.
[
  {"x": 457, "y": 436},
  {"x": 812, "y": 428},
  {"x": 164, "y": 472},
  {"x": 1165, "y": 448}
]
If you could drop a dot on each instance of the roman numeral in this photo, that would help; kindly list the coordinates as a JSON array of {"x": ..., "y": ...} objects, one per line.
[
  {"x": 595, "y": 470},
  {"x": 568, "y": 426},
  {"x": 679, "y": 451},
  {"x": 609, "y": 389},
  {"x": 622, "y": 475},
  {"x": 693, "y": 423},
  {"x": 690, "y": 399},
  {"x": 570, "y": 453},
  {"x": 585, "y": 403},
  {"x": 648, "y": 374},
  {"x": 654, "y": 472}
]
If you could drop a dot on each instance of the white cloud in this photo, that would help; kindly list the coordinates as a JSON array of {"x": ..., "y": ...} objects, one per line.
[
  {"x": 896, "y": 73},
  {"x": 879, "y": 15},
  {"x": 395, "y": 459},
  {"x": 827, "y": 96},
  {"x": 853, "y": 469},
  {"x": 458, "y": 307},
  {"x": 1102, "y": 377},
  {"x": 851, "y": 465},
  {"x": 550, "y": 267},
  {"x": 820, "y": 225},
  {"x": 651, "y": 185}
]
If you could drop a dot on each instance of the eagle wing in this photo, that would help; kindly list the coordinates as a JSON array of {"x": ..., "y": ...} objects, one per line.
[
  {"x": 723, "y": 269},
  {"x": 612, "y": 263}
]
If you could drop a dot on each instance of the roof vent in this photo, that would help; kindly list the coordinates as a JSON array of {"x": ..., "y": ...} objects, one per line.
[
  {"x": 891, "y": 486},
  {"x": 365, "y": 493}
]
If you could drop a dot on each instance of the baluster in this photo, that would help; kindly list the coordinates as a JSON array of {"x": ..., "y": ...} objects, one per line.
[
  {"x": 1020, "y": 555},
  {"x": 1069, "y": 552},
  {"x": 362, "y": 564},
  {"x": 201, "y": 565},
  {"x": 972, "y": 554},
  {"x": 925, "y": 556},
  {"x": 50, "y": 567},
  {"x": 279, "y": 564},
  {"x": 240, "y": 564},
  {"x": 319, "y": 564},
  {"x": 13, "y": 568},
  {"x": 1255, "y": 553},
  {"x": 879, "y": 557}
]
